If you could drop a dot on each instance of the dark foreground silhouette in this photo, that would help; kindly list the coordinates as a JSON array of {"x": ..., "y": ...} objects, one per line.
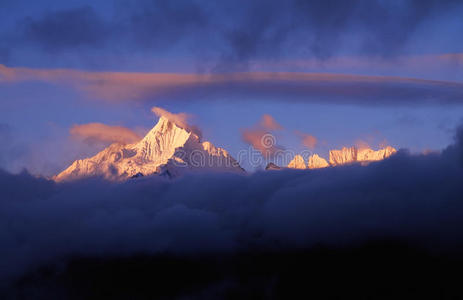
[
  {"x": 375, "y": 270},
  {"x": 399, "y": 221}
]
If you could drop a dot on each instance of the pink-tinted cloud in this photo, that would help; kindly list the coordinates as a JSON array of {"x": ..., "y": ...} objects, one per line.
[
  {"x": 261, "y": 140},
  {"x": 303, "y": 87},
  {"x": 101, "y": 133},
  {"x": 260, "y": 136},
  {"x": 106, "y": 85},
  {"x": 307, "y": 140},
  {"x": 269, "y": 123},
  {"x": 181, "y": 119}
]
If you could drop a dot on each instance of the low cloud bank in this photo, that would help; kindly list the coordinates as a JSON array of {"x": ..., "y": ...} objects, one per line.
[{"x": 417, "y": 198}]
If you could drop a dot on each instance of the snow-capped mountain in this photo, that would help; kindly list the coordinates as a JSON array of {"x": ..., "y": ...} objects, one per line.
[
  {"x": 317, "y": 162},
  {"x": 367, "y": 154},
  {"x": 297, "y": 163},
  {"x": 338, "y": 157},
  {"x": 342, "y": 157},
  {"x": 167, "y": 149},
  {"x": 353, "y": 154}
]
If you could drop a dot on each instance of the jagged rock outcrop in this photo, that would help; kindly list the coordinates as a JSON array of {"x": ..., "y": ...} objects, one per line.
[
  {"x": 317, "y": 162},
  {"x": 365, "y": 155},
  {"x": 297, "y": 163},
  {"x": 166, "y": 149},
  {"x": 342, "y": 157},
  {"x": 272, "y": 166}
]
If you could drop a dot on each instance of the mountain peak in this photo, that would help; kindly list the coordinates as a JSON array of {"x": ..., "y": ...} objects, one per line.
[
  {"x": 163, "y": 122},
  {"x": 317, "y": 162},
  {"x": 297, "y": 162},
  {"x": 343, "y": 156},
  {"x": 272, "y": 166},
  {"x": 346, "y": 155},
  {"x": 165, "y": 125},
  {"x": 168, "y": 146}
]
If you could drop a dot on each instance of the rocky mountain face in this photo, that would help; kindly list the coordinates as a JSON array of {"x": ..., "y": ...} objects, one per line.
[
  {"x": 167, "y": 149},
  {"x": 342, "y": 157},
  {"x": 366, "y": 155},
  {"x": 317, "y": 162},
  {"x": 297, "y": 163},
  {"x": 272, "y": 166}
]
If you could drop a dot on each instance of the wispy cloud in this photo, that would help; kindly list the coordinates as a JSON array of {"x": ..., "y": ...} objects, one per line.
[
  {"x": 269, "y": 123},
  {"x": 303, "y": 87},
  {"x": 260, "y": 136},
  {"x": 181, "y": 119},
  {"x": 307, "y": 140},
  {"x": 405, "y": 63},
  {"x": 101, "y": 133}
]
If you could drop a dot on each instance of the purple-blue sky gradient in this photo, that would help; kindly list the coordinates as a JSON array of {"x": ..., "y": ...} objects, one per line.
[{"x": 404, "y": 61}]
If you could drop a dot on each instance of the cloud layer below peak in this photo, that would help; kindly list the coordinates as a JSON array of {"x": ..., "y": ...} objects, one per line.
[{"x": 411, "y": 197}]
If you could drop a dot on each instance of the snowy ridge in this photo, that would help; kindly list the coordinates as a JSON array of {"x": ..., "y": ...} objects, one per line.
[
  {"x": 342, "y": 157},
  {"x": 166, "y": 149}
]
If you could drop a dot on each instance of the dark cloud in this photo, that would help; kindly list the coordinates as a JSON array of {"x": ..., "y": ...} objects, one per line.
[
  {"x": 67, "y": 29},
  {"x": 456, "y": 150},
  {"x": 416, "y": 198},
  {"x": 143, "y": 25},
  {"x": 160, "y": 24},
  {"x": 235, "y": 33},
  {"x": 323, "y": 27},
  {"x": 5, "y": 137},
  {"x": 382, "y": 26}
]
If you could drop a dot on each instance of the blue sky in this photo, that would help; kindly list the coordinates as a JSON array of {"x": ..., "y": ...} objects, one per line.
[{"x": 403, "y": 39}]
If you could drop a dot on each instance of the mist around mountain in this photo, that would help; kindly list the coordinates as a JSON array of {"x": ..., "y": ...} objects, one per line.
[
  {"x": 394, "y": 227},
  {"x": 342, "y": 157},
  {"x": 173, "y": 148},
  {"x": 170, "y": 148}
]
